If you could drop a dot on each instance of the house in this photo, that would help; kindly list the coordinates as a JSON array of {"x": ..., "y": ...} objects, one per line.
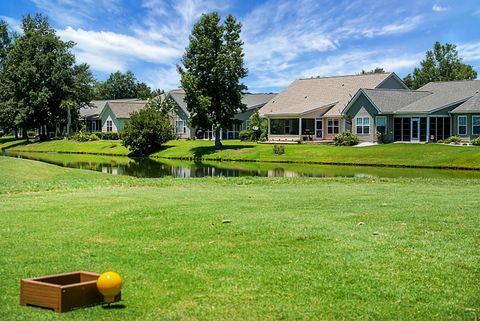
[
  {"x": 181, "y": 115},
  {"x": 116, "y": 114},
  {"x": 434, "y": 112},
  {"x": 311, "y": 108},
  {"x": 96, "y": 120}
]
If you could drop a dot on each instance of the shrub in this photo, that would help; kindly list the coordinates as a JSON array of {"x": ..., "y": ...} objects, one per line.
[
  {"x": 278, "y": 149},
  {"x": 108, "y": 135},
  {"x": 475, "y": 141},
  {"x": 146, "y": 131},
  {"x": 83, "y": 136},
  {"x": 453, "y": 140},
  {"x": 347, "y": 138},
  {"x": 246, "y": 135}
]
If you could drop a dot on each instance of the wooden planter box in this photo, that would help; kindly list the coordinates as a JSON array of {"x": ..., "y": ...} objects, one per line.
[{"x": 62, "y": 292}]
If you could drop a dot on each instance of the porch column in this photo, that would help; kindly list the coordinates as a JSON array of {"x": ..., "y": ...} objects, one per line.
[
  {"x": 428, "y": 129},
  {"x": 300, "y": 128},
  {"x": 268, "y": 125}
]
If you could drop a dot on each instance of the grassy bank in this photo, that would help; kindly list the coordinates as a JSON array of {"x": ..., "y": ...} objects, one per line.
[
  {"x": 100, "y": 147},
  {"x": 294, "y": 250},
  {"x": 432, "y": 155}
]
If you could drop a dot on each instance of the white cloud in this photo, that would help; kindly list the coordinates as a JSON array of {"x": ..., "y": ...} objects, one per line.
[
  {"x": 439, "y": 8},
  {"x": 13, "y": 24},
  {"x": 76, "y": 13},
  {"x": 470, "y": 51},
  {"x": 109, "y": 51},
  {"x": 165, "y": 78}
]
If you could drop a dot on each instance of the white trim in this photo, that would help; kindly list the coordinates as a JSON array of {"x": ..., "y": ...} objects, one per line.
[
  {"x": 362, "y": 126},
  {"x": 333, "y": 126},
  {"x": 355, "y": 97},
  {"x": 475, "y": 116},
  {"x": 466, "y": 125},
  {"x": 416, "y": 119}
]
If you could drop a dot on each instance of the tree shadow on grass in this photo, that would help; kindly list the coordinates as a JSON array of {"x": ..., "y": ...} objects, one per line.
[{"x": 201, "y": 151}]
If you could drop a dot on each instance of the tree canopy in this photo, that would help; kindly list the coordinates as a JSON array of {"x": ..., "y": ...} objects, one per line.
[
  {"x": 38, "y": 73},
  {"x": 440, "y": 64},
  {"x": 122, "y": 85},
  {"x": 212, "y": 70},
  {"x": 376, "y": 70}
]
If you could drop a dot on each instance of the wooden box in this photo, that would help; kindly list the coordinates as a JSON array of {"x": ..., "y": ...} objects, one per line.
[{"x": 62, "y": 292}]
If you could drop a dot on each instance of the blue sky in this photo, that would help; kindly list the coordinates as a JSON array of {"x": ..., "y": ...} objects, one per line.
[{"x": 284, "y": 40}]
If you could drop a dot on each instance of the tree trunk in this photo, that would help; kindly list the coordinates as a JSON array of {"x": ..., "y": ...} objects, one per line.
[
  {"x": 69, "y": 122},
  {"x": 16, "y": 133},
  {"x": 218, "y": 143}
]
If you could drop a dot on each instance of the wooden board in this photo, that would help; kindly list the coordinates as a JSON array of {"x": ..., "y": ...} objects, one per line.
[{"x": 62, "y": 292}]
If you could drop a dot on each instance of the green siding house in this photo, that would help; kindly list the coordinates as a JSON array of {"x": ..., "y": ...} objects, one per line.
[
  {"x": 183, "y": 130},
  {"x": 115, "y": 114},
  {"x": 434, "y": 112}
]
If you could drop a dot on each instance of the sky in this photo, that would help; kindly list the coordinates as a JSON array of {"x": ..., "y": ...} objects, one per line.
[{"x": 283, "y": 40}]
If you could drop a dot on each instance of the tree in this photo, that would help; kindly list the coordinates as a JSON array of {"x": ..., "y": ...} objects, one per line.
[
  {"x": 39, "y": 73},
  {"x": 377, "y": 70},
  {"x": 6, "y": 115},
  {"x": 258, "y": 127},
  {"x": 440, "y": 64},
  {"x": 146, "y": 131},
  {"x": 212, "y": 70},
  {"x": 120, "y": 86}
]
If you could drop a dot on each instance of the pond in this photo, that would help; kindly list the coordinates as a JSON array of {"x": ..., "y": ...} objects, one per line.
[{"x": 150, "y": 167}]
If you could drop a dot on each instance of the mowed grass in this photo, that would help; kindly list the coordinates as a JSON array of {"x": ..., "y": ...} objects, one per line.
[
  {"x": 294, "y": 250},
  {"x": 420, "y": 155}
]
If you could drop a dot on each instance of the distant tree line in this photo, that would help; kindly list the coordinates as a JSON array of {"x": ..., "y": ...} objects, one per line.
[{"x": 41, "y": 85}]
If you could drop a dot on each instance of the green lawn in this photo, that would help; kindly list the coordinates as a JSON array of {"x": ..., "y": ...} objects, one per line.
[
  {"x": 103, "y": 147},
  {"x": 9, "y": 142},
  {"x": 432, "y": 155},
  {"x": 294, "y": 249}
]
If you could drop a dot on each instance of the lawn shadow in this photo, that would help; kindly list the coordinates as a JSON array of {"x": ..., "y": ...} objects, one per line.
[
  {"x": 161, "y": 149},
  {"x": 114, "y": 306},
  {"x": 201, "y": 151}
]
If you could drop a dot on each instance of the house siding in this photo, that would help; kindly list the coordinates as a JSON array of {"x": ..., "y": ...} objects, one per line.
[
  {"x": 179, "y": 114},
  {"x": 469, "y": 134},
  {"x": 391, "y": 83},
  {"x": 107, "y": 114}
]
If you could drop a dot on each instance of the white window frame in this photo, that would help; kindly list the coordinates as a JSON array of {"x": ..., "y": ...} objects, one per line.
[
  {"x": 109, "y": 125},
  {"x": 363, "y": 125},
  {"x": 180, "y": 129},
  {"x": 466, "y": 125},
  {"x": 386, "y": 123},
  {"x": 333, "y": 126},
  {"x": 473, "y": 126}
]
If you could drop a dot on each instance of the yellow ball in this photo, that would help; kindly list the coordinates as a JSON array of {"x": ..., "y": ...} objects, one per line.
[{"x": 109, "y": 284}]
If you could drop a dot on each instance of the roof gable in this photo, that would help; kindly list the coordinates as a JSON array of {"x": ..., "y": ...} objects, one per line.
[
  {"x": 304, "y": 95},
  {"x": 472, "y": 105},
  {"x": 124, "y": 109}
]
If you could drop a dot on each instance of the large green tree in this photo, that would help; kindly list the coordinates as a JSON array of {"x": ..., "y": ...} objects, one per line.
[
  {"x": 122, "y": 85},
  {"x": 6, "y": 116},
  {"x": 39, "y": 73},
  {"x": 212, "y": 70},
  {"x": 440, "y": 64}
]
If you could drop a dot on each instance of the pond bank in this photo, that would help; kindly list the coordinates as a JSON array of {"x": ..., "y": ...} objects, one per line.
[{"x": 433, "y": 156}]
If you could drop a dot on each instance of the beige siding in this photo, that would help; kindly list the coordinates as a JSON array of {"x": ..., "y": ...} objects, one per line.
[{"x": 371, "y": 137}]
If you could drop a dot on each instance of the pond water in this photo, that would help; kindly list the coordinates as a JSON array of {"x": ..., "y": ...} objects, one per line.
[{"x": 149, "y": 167}]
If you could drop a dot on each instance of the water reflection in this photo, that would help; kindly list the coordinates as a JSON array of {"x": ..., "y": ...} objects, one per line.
[{"x": 147, "y": 167}]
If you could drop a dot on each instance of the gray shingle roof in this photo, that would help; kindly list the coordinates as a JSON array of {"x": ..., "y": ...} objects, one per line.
[
  {"x": 125, "y": 109},
  {"x": 443, "y": 94},
  {"x": 250, "y": 100},
  {"x": 470, "y": 106},
  {"x": 305, "y": 95},
  {"x": 96, "y": 107},
  {"x": 391, "y": 100}
]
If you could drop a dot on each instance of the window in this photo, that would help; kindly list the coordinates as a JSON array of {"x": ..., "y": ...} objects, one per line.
[
  {"x": 382, "y": 124},
  {"x": 180, "y": 127},
  {"x": 308, "y": 126},
  {"x": 109, "y": 126},
  {"x": 93, "y": 126},
  {"x": 333, "y": 127},
  {"x": 363, "y": 125},
  {"x": 284, "y": 127},
  {"x": 462, "y": 125},
  {"x": 475, "y": 125}
]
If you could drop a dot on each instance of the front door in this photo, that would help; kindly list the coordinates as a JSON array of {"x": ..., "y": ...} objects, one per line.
[
  {"x": 415, "y": 129},
  {"x": 318, "y": 129}
]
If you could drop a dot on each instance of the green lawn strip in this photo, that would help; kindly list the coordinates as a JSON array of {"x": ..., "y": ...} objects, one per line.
[
  {"x": 10, "y": 141},
  {"x": 293, "y": 251},
  {"x": 401, "y": 155},
  {"x": 101, "y": 147},
  {"x": 414, "y": 155}
]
